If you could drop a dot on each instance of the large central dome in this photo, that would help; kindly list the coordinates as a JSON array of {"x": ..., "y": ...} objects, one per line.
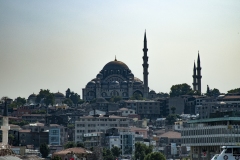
[{"x": 114, "y": 65}]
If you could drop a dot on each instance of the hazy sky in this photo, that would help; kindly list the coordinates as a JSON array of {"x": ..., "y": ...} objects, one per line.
[{"x": 64, "y": 44}]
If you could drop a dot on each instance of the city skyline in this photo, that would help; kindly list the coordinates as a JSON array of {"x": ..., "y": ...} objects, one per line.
[{"x": 55, "y": 46}]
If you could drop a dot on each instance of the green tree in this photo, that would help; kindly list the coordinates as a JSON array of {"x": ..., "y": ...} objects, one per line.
[
  {"x": 70, "y": 144},
  {"x": 10, "y": 139},
  {"x": 68, "y": 92},
  {"x": 20, "y": 123},
  {"x": 116, "y": 151},
  {"x": 171, "y": 118},
  {"x": 236, "y": 90},
  {"x": 208, "y": 90},
  {"x": 180, "y": 89},
  {"x": 18, "y": 102},
  {"x": 213, "y": 92},
  {"x": 107, "y": 155},
  {"x": 44, "y": 150},
  {"x": 155, "y": 156},
  {"x": 74, "y": 97},
  {"x": 68, "y": 102},
  {"x": 141, "y": 150},
  {"x": 80, "y": 145},
  {"x": 81, "y": 101},
  {"x": 46, "y": 95},
  {"x": 56, "y": 158},
  {"x": 173, "y": 109},
  {"x": 136, "y": 96},
  {"x": 115, "y": 99},
  {"x": 192, "y": 92}
]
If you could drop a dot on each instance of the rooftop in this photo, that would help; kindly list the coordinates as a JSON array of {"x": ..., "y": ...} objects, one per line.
[{"x": 214, "y": 119}]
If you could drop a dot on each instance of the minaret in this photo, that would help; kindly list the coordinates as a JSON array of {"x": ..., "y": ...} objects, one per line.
[
  {"x": 199, "y": 76},
  {"x": 145, "y": 68},
  {"x": 5, "y": 127},
  {"x": 194, "y": 78}
]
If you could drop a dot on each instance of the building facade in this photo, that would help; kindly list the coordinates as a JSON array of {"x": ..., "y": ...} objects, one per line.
[
  {"x": 206, "y": 136},
  {"x": 98, "y": 123}
]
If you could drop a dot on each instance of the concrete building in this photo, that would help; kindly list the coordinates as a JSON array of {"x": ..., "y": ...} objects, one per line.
[
  {"x": 126, "y": 112},
  {"x": 206, "y": 136},
  {"x": 122, "y": 138},
  {"x": 98, "y": 123}
]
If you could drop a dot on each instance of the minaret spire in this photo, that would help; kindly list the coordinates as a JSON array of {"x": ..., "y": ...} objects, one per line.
[
  {"x": 194, "y": 77},
  {"x": 199, "y": 76},
  {"x": 145, "y": 67}
]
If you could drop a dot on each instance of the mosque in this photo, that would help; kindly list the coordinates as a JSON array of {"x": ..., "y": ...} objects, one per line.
[{"x": 116, "y": 79}]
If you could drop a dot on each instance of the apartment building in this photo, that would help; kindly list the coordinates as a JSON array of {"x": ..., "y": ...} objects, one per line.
[{"x": 99, "y": 123}]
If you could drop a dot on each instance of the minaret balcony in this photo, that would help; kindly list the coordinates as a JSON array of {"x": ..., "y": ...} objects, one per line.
[{"x": 5, "y": 128}]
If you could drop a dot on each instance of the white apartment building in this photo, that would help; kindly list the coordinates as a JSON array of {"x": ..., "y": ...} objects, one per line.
[
  {"x": 98, "y": 123},
  {"x": 206, "y": 136}
]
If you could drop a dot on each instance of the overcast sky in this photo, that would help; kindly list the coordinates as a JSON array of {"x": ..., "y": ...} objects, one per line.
[{"x": 62, "y": 44}]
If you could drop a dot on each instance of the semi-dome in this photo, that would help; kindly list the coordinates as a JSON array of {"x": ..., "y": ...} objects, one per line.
[
  {"x": 114, "y": 65},
  {"x": 152, "y": 92},
  {"x": 59, "y": 95},
  {"x": 91, "y": 83},
  {"x": 137, "y": 83}
]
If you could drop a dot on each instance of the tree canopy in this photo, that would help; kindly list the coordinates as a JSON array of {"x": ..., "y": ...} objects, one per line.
[
  {"x": 74, "y": 97},
  {"x": 115, "y": 99},
  {"x": 212, "y": 92},
  {"x": 171, "y": 118},
  {"x": 136, "y": 96},
  {"x": 44, "y": 150},
  {"x": 45, "y": 95},
  {"x": 19, "y": 101},
  {"x": 180, "y": 89},
  {"x": 155, "y": 156},
  {"x": 107, "y": 154},
  {"x": 141, "y": 150},
  {"x": 70, "y": 144},
  {"x": 56, "y": 158},
  {"x": 116, "y": 151},
  {"x": 236, "y": 90},
  {"x": 68, "y": 102}
]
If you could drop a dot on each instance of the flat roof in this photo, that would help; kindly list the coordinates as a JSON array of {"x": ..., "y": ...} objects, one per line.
[{"x": 214, "y": 119}]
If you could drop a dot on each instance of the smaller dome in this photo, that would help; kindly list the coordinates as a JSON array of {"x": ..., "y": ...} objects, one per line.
[
  {"x": 130, "y": 75},
  {"x": 152, "y": 92},
  {"x": 129, "y": 81},
  {"x": 99, "y": 75},
  {"x": 32, "y": 96},
  {"x": 91, "y": 83},
  {"x": 59, "y": 95}
]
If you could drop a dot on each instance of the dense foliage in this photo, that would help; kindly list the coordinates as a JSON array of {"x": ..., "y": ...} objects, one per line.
[
  {"x": 141, "y": 150},
  {"x": 136, "y": 96},
  {"x": 236, "y": 90},
  {"x": 180, "y": 89},
  {"x": 155, "y": 156},
  {"x": 46, "y": 96},
  {"x": 18, "y": 102},
  {"x": 44, "y": 150}
]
